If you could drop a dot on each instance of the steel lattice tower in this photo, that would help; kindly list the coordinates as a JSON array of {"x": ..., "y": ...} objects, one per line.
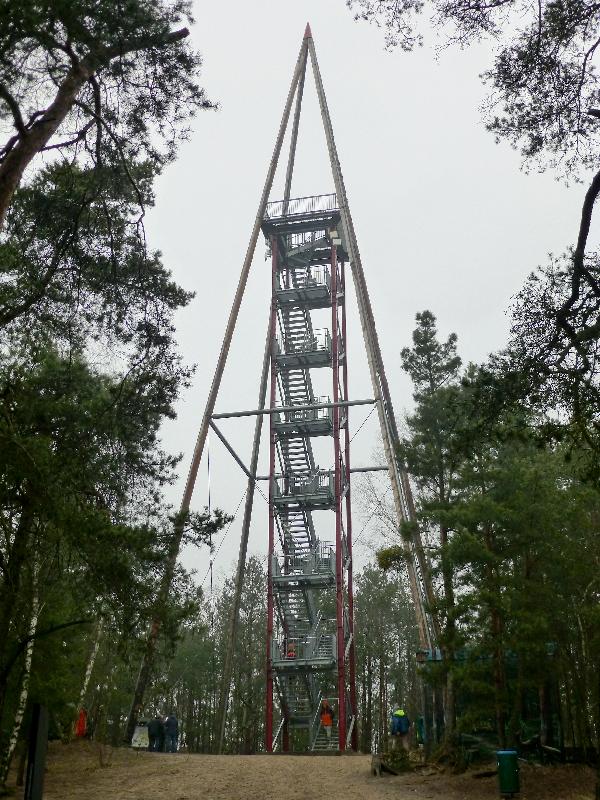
[{"x": 309, "y": 641}]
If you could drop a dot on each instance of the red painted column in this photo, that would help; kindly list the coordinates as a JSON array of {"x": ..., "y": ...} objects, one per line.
[
  {"x": 352, "y": 653},
  {"x": 270, "y": 604},
  {"x": 339, "y": 567}
]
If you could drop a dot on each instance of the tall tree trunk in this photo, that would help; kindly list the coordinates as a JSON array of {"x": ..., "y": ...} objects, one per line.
[
  {"x": 10, "y": 592},
  {"x": 598, "y": 732},
  {"x": 369, "y": 717},
  {"x": 363, "y": 709},
  {"x": 382, "y": 714},
  {"x": 499, "y": 678},
  {"x": 496, "y": 634},
  {"x": 24, "y": 689},
  {"x": 546, "y": 731},
  {"x": 150, "y": 649},
  {"x": 449, "y": 647},
  {"x": 90, "y": 664},
  {"x": 568, "y": 706}
]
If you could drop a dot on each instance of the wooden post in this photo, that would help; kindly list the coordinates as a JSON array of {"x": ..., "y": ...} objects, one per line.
[
  {"x": 38, "y": 743},
  {"x": 145, "y": 669}
]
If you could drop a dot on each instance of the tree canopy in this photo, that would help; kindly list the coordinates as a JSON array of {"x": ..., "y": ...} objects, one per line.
[{"x": 94, "y": 98}]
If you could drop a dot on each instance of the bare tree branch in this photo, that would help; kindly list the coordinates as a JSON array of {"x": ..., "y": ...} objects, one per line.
[
  {"x": 22, "y": 152},
  {"x": 14, "y": 108},
  {"x": 69, "y": 142}
]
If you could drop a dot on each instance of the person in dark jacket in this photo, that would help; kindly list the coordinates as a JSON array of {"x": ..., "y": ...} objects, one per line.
[
  {"x": 400, "y": 729},
  {"x": 156, "y": 734},
  {"x": 171, "y": 733},
  {"x": 160, "y": 747}
]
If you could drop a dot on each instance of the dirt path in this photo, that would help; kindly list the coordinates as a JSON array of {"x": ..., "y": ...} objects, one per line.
[{"x": 74, "y": 773}]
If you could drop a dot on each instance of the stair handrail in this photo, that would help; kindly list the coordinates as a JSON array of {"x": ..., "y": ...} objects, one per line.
[
  {"x": 349, "y": 734},
  {"x": 276, "y": 736},
  {"x": 316, "y": 717}
]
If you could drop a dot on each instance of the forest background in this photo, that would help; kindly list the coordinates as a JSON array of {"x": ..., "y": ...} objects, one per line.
[{"x": 504, "y": 456}]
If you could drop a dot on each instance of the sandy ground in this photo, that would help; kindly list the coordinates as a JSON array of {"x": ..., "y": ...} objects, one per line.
[{"x": 74, "y": 773}]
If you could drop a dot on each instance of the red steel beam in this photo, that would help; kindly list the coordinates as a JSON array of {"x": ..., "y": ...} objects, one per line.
[
  {"x": 270, "y": 606},
  {"x": 339, "y": 567},
  {"x": 352, "y": 653}
]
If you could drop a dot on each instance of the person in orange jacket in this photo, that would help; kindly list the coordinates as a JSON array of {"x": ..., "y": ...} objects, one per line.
[
  {"x": 81, "y": 724},
  {"x": 327, "y": 717}
]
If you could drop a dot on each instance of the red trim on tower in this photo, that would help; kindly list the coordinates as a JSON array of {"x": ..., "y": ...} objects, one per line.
[{"x": 270, "y": 603}]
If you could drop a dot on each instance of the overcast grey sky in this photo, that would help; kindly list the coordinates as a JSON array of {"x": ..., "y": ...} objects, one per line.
[{"x": 445, "y": 219}]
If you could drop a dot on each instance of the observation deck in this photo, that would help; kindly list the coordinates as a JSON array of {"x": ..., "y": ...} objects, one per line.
[
  {"x": 313, "y": 569},
  {"x": 311, "y": 350},
  {"x": 309, "y": 491},
  {"x": 312, "y": 653},
  {"x": 303, "y": 225},
  {"x": 311, "y": 289},
  {"x": 305, "y": 421}
]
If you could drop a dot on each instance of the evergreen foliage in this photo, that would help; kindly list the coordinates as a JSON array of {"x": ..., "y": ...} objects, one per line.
[
  {"x": 94, "y": 97},
  {"x": 517, "y": 557}
]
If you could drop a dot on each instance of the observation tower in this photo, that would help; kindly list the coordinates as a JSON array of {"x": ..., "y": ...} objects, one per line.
[
  {"x": 310, "y": 642},
  {"x": 314, "y": 254}
]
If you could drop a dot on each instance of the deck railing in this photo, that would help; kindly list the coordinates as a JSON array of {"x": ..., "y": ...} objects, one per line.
[
  {"x": 292, "y": 649},
  {"x": 305, "y": 237},
  {"x": 321, "y": 483},
  {"x": 316, "y": 275},
  {"x": 319, "y": 560},
  {"x": 306, "y": 414},
  {"x": 318, "y": 342},
  {"x": 301, "y": 205}
]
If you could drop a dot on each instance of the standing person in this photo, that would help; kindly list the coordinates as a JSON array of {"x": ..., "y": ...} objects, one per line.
[
  {"x": 171, "y": 733},
  {"x": 160, "y": 745},
  {"x": 156, "y": 734},
  {"x": 327, "y": 717},
  {"x": 400, "y": 728},
  {"x": 81, "y": 724}
]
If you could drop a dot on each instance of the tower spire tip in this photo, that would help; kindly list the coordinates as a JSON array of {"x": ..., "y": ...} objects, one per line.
[{"x": 308, "y": 32}]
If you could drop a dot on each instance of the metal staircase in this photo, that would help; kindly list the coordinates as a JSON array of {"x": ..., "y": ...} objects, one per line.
[
  {"x": 322, "y": 744},
  {"x": 304, "y": 648}
]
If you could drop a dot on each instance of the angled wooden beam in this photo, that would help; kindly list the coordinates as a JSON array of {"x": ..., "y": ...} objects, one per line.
[
  {"x": 241, "y": 565},
  {"x": 400, "y": 485},
  {"x": 174, "y": 545},
  {"x": 294, "y": 137}
]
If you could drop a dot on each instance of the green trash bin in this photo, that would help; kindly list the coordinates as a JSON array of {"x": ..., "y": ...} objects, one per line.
[{"x": 508, "y": 772}]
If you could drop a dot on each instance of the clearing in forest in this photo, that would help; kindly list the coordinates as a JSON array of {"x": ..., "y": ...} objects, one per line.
[{"x": 74, "y": 773}]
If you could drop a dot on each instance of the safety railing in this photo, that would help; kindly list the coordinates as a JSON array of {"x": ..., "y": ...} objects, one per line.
[
  {"x": 350, "y": 717},
  {"x": 306, "y": 414},
  {"x": 306, "y": 237},
  {"x": 322, "y": 558},
  {"x": 295, "y": 649},
  {"x": 319, "y": 341},
  {"x": 309, "y": 278},
  {"x": 321, "y": 483},
  {"x": 275, "y": 744},
  {"x": 301, "y": 205},
  {"x": 319, "y": 560},
  {"x": 316, "y": 721}
]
